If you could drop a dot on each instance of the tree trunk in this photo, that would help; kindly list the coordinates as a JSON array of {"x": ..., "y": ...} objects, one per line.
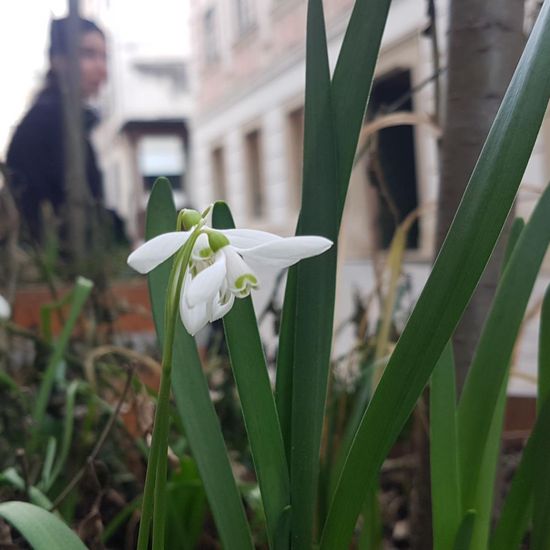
[{"x": 485, "y": 42}]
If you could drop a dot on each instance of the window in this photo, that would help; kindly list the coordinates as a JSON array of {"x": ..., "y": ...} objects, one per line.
[
  {"x": 211, "y": 52},
  {"x": 218, "y": 173},
  {"x": 392, "y": 164},
  {"x": 161, "y": 155},
  {"x": 254, "y": 173},
  {"x": 295, "y": 123},
  {"x": 245, "y": 16}
]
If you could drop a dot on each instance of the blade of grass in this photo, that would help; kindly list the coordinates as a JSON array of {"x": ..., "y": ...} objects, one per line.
[
  {"x": 446, "y": 506},
  {"x": 36, "y": 496},
  {"x": 352, "y": 82},
  {"x": 310, "y": 356},
  {"x": 80, "y": 294},
  {"x": 41, "y": 529},
  {"x": 192, "y": 396},
  {"x": 469, "y": 243},
  {"x": 488, "y": 456},
  {"x": 315, "y": 285},
  {"x": 544, "y": 349},
  {"x": 516, "y": 511},
  {"x": 257, "y": 401},
  {"x": 463, "y": 539},
  {"x": 488, "y": 372},
  {"x": 540, "y": 538},
  {"x": 285, "y": 359},
  {"x": 68, "y": 426},
  {"x": 48, "y": 464}
]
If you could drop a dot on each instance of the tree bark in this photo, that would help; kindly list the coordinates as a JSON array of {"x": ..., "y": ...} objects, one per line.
[{"x": 485, "y": 42}]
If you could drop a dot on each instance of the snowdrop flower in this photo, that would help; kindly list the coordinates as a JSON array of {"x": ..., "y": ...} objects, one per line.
[
  {"x": 5, "y": 309},
  {"x": 221, "y": 264}
]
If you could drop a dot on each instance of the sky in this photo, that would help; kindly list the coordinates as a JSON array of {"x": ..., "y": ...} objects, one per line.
[{"x": 24, "y": 26}]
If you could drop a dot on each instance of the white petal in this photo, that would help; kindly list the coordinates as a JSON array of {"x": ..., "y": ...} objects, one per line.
[
  {"x": 193, "y": 318},
  {"x": 5, "y": 309},
  {"x": 207, "y": 283},
  {"x": 248, "y": 238},
  {"x": 240, "y": 276},
  {"x": 286, "y": 252},
  {"x": 219, "y": 309},
  {"x": 155, "y": 251}
]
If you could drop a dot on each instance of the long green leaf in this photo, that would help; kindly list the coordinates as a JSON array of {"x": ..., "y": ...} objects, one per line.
[
  {"x": 315, "y": 285},
  {"x": 257, "y": 401},
  {"x": 36, "y": 496},
  {"x": 489, "y": 455},
  {"x": 516, "y": 511},
  {"x": 352, "y": 81},
  {"x": 456, "y": 272},
  {"x": 41, "y": 529},
  {"x": 541, "y": 501},
  {"x": 80, "y": 294},
  {"x": 285, "y": 359},
  {"x": 544, "y": 349},
  {"x": 192, "y": 395},
  {"x": 463, "y": 539},
  {"x": 68, "y": 426},
  {"x": 446, "y": 505},
  {"x": 488, "y": 372}
]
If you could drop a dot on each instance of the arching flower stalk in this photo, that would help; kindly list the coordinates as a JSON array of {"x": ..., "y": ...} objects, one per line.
[{"x": 211, "y": 269}]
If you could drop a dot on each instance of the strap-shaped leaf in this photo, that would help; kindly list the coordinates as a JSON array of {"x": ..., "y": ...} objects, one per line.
[
  {"x": 192, "y": 395},
  {"x": 79, "y": 295},
  {"x": 469, "y": 243},
  {"x": 488, "y": 373},
  {"x": 516, "y": 512},
  {"x": 257, "y": 401},
  {"x": 43, "y": 530},
  {"x": 446, "y": 506},
  {"x": 541, "y": 501},
  {"x": 463, "y": 539},
  {"x": 352, "y": 82},
  {"x": 330, "y": 140},
  {"x": 315, "y": 285},
  {"x": 489, "y": 450}
]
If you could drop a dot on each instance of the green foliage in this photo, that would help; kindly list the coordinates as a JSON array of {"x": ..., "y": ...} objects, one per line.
[
  {"x": 466, "y": 250},
  {"x": 446, "y": 501},
  {"x": 41, "y": 529},
  {"x": 257, "y": 401},
  {"x": 79, "y": 295}
]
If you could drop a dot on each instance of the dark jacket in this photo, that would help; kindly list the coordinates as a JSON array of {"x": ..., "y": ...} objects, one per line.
[{"x": 36, "y": 159}]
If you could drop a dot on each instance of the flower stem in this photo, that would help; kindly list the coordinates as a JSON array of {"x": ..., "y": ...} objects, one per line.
[
  {"x": 159, "y": 516},
  {"x": 154, "y": 493}
]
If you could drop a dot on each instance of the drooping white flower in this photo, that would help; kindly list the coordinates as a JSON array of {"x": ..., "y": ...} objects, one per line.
[{"x": 222, "y": 265}]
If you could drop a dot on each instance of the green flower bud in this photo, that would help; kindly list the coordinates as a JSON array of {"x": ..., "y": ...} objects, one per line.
[
  {"x": 217, "y": 240},
  {"x": 188, "y": 218}
]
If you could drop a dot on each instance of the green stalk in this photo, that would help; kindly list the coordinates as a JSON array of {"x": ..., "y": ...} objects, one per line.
[{"x": 154, "y": 493}]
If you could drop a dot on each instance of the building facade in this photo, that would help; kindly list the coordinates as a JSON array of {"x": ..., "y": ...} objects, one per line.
[{"x": 249, "y": 75}]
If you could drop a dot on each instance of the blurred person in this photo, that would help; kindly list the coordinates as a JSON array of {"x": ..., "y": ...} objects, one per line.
[{"x": 35, "y": 158}]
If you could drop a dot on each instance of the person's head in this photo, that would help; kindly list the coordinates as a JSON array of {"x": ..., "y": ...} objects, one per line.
[{"x": 92, "y": 53}]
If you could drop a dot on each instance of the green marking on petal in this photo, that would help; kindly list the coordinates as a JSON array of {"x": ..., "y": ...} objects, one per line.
[
  {"x": 205, "y": 253},
  {"x": 245, "y": 281}
]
